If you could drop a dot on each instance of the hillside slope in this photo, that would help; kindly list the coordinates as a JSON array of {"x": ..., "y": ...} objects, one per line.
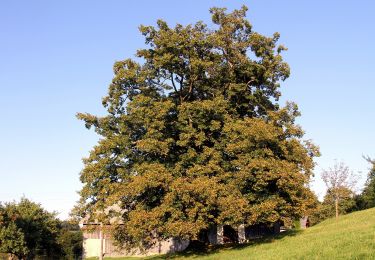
[{"x": 350, "y": 237}]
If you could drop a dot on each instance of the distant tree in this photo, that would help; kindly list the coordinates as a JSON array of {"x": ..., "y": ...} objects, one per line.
[
  {"x": 340, "y": 182},
  {"x": 317, "y": 215},
  {"x": 27, "y": 230},
  {"x": 12, "y": 239},
  {"x": 326, "y": 209},
  {"x": 195, "y": 135},
  {"x": 367, "y": 198},
  {"x": 346, "y": 201},
  {"x": 70, "y": 239}
]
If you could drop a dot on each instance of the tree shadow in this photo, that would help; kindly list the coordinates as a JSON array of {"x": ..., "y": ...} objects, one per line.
[{"x": 197, "y": 249}]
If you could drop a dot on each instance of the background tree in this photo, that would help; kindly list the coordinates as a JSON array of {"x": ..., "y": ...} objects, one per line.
[
  {"x": 340, "y": 182},
  {"x": 27, "y": 230},
  {"x": 70, "y": 239},
  {"x": 12, "y": 240},
  {"x": 327, "y": 209},
  {"x": 367, "y": 198},
  {"x": 195, "y": 136}
]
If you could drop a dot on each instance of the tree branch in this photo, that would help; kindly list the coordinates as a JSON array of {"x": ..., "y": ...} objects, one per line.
[{"x": 175, "y": 88}]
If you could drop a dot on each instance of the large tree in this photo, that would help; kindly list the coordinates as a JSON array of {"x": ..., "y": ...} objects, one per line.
[{"x": 195, "y": 135}]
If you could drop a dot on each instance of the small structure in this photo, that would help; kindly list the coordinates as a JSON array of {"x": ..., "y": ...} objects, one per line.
[{"x": 304, "y": 222}]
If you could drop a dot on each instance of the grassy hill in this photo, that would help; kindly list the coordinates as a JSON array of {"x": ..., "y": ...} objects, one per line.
[{"x": 350, "y": 237}]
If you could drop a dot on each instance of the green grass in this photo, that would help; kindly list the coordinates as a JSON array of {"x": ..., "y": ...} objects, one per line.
[{"x": 350, "y": 237}]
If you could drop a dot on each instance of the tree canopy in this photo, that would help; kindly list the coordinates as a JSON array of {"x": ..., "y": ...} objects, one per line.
[
  {"x": 195, "y": 135},
  {"x": 27, "y": 230}
]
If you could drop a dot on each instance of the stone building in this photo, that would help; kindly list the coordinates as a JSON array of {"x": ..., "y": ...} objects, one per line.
[
  {"x": 94, "y": 238},
  {"x": 216, "y": 235},
  {"x": 92, "y": 243}
]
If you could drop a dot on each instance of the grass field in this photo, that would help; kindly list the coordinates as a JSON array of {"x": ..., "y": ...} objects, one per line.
[{"x": 350, "y": 237}]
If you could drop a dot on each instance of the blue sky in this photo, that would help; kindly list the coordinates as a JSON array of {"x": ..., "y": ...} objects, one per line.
[{"x": 56, "y": 59}]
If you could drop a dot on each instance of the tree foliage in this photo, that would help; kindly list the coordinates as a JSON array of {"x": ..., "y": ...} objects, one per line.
[
  {"x": 327, "y": 209},
  {"x": 367, "y": 198},
  {"x": 27, "y": 230},
  {"x": 195, "y": 135},
  {"x": 71, "y": 240}
]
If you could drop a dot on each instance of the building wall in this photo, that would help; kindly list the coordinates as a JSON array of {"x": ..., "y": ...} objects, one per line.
[{"x": 91, "y": 246}]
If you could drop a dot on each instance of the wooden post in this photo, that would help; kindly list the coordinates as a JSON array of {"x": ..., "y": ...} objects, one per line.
[
  {"x": 337, "y": 207},
  {"x": 220, "y": 234},
  {"x": 101, "y": 242}
]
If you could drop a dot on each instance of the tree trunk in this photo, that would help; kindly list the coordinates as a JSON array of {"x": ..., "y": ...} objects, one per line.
[{"x": 337, "y": 207}]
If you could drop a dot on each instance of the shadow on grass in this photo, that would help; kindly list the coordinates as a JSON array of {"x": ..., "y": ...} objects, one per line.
[{"x": 196, "y": 250}]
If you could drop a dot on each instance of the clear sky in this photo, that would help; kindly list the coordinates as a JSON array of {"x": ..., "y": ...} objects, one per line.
[{"x": 56, "y": 59}]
